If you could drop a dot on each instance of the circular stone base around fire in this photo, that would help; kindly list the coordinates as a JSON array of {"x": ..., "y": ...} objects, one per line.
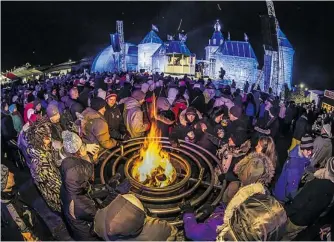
[{"x": 195, "y": 180}]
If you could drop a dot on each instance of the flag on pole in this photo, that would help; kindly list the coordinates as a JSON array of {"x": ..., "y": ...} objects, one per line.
[
  {"x": 169, "y": 37},
  {"x": 155, "y": 28},
  {"x": 246, "y": 37},
  {"x": 183, "y": 37}
]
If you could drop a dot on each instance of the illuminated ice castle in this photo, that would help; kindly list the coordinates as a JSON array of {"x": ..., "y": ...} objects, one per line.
[
  {"x": 173, "y": 57},
  {"x": 239, "y": 61}
]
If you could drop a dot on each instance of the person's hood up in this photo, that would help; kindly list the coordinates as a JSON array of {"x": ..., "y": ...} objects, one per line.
[
  {"x": 76, "y": 173},
  {"x": 253, "y": 214},
  {"x": 255, "y": 168},
  {"x": 296, "y": 153},
  {"x": 130, "y": 103},
  {"x": 90, "y": 114},
  {"x": 122, "y": 219}
]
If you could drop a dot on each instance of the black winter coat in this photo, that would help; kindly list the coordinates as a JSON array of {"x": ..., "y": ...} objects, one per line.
[
  {"x": 84, "y": 95},
  {"x": 115, "y": 122},
  {"x": 7, "y": 127},
  {"x": 73, "y": 105},
  {"x": 10, "y": 230},
  {"x": 302, "y": 127},
  {"x": 165, "y": 120},
  {"x": 79, "y": 210}
]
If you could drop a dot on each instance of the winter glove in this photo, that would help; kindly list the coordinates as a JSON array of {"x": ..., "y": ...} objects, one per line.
[
  {"x": 125, "y": 137},
  {"x": 114, "y": 181},
  {"x": 124, "y": 187},
  {"x": 186, "y": 207},
  {"x": 221, "y": 178},
  {"x": 205, "y": 211}
]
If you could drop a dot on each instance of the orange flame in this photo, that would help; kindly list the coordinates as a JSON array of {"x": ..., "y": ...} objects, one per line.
[{"x": 153, "y": 168}]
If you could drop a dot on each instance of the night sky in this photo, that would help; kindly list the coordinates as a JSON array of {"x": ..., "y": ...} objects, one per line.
[{"x": 53, "y": 32}]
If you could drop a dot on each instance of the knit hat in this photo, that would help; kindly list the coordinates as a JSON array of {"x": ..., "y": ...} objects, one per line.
[
  {"x": 11, "y": 108},
  {"x": 306, "y": 143},
  {"x": 52, "y": 110},
  {"x": 97, "y": 103},
  {"x": 71, "y": 141},
  {"x": 4, "y": 176},
  {"x": 163, "y": 104},
  {"x": 111, "y": 94},
  {"x": 191, "y": 110},
  {"x": 236, "y": 111},
  {"x": 138, "y": 95},
  {"x": 327, "y": 128}
]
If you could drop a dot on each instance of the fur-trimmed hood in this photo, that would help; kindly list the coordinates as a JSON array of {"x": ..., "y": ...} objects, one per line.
[
  {"x": 253, "y": 214},
  {"x": 256, "y": 167}
]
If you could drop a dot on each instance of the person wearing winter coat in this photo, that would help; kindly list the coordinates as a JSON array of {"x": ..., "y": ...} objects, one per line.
[
  {"x": 114, "y": 118},
  {"x": 188, "y": 129},
  {"x": 197, "y": 99},
  {"x": 71, "y": 102},
  {"x": 125, "y": 219},
  {"x": 322, "y": 147},
  {"x": 302, "y": 127},
  {"x": 270, "y": 124},
  {"x": 29, "y": 107},
  {"x": 212, "y": 137},
  {"x": 134, "y": 117},
  {"x": 94, "y": 126},
  {"x": 165, "y": 117},
  {"x": 43, "y": 168},
  {"x": 313, "y": 202},
  {"x": 16, "y": 116},
  {"x": 77, "y": 194},
  {"x": 231, "y": 154},
  {"x": 84, "y": 94},
  {"x": 19, "y": 222},
  {"x": 250, "y": 109},
  {"x": 237, "y": 121},
  {"x": 237, "y": 98},
  {"x": 8, "y": 131},
  {"x": 253, "y": 215},
  {"x": 287, "y": 184},
  {"x": 76, "y": 171},
  {"x": 205, "y": 231}
]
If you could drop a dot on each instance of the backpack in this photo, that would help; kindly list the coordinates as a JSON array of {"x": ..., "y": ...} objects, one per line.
[{"x": 313, "y": 200}]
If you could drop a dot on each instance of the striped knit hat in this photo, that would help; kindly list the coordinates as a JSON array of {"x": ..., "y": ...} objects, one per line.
[{"x": 306, "y": 143}]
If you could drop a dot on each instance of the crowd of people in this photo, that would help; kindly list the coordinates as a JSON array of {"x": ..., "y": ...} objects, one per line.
[{"x": 56, "y": 128}]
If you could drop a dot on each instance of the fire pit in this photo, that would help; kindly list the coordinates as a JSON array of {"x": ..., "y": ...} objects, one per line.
[{"x": 163, "y": 176}]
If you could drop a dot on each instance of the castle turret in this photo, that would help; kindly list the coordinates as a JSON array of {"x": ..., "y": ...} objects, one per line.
[{"x": 216, "y": 40}]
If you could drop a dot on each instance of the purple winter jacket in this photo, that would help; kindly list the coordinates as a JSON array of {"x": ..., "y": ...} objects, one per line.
[
  {"x": 204, "y": 231},
  {"x": 293, "y": 170}
]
